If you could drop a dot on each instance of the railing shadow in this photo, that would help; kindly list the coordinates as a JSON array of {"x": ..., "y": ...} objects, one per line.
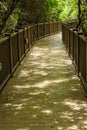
[{"x": 45, "y": 92}]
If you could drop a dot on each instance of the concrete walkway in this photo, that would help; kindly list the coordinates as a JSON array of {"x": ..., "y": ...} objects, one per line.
[{"x": 45, "y": 92}]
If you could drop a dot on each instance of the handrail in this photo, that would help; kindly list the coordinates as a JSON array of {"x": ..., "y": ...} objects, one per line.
[
  {"x": 76, "y": 45},
  {"x": 14, "y": 47}
]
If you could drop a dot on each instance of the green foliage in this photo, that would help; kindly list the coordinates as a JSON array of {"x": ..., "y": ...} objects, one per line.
[
  {"x": 61, "y": 9},
  {"x": 53, "y": 8},
  {"x": 82, "y": 16},
  {"x": 69, "y": 9},
  {"x": 6, "y": 16},
  {"x": 34, "y": 11},
  {"x": 12, "y": 21}
]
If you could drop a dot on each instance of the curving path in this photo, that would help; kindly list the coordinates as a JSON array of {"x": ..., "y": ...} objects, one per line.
[{"x": 45, "y": 92}]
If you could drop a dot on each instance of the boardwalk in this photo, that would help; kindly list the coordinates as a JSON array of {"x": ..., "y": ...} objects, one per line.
[{"x": 44, "y": 92}]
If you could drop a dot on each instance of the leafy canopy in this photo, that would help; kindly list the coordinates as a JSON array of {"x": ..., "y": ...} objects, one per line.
[{"x": 33, "y": 11}]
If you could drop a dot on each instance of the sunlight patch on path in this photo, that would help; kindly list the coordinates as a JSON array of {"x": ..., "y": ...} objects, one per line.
[{"x": 44, "y": 92}]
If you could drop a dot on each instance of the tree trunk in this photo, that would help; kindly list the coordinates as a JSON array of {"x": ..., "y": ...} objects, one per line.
[
  {"x": 79, "y": 13},
  {"x": 7, "y": 14}
]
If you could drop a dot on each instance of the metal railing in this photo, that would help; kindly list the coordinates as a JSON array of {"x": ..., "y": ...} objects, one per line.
[{"x": 14, "y": 47}]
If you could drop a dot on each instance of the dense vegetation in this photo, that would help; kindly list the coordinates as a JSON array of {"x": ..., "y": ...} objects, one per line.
[
  {"x": 6, "y": 9},
  {"x": 82, "y": 16},
  {"x": 18, "y": 13}
]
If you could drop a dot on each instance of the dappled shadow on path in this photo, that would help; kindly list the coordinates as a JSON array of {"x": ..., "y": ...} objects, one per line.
[{"x": 45, "y": 92}]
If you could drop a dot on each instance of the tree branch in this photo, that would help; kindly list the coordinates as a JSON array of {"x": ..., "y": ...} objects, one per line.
[{"x": 7, "y": 14}]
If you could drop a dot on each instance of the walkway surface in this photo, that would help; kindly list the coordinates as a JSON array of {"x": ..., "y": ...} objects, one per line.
[{"x": 45, "y": 92}]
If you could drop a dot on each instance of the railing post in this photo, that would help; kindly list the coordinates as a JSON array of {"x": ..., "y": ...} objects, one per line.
[
  {"x": 45, "y": 29},
  {"x": 18, "y": 47},
  {"x": 50, "y": 27},
  {"x": 37, "y": 31},
  {"x": 57, "y": 26},
  {"x": 29, "y": 37},
  {"x": 86, "y": 68},
  {"x": 24, "y": 40},
  {"x": 10, "y": 49},
  {"x": 17, "y": 30}
]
